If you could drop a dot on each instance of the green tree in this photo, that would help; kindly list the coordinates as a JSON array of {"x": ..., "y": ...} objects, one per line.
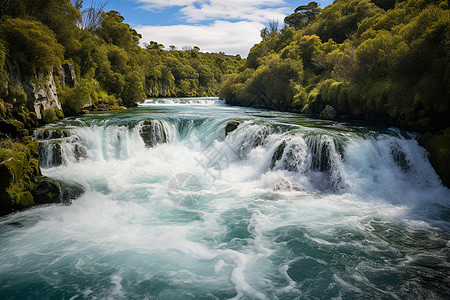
[
  {"x": 303, "y": 15},
  {"x": 59, "y": 15},
  {"x": 32, "y": 44},
  {"x": 133, "y": 91},
  {"x": 78, "y": 4},
  {"x": 155, "y": 45},
  {"x": 114, "y": 31}
]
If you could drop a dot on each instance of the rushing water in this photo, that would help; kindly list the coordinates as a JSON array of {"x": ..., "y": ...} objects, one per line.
[{"x": 159, "y": 203}]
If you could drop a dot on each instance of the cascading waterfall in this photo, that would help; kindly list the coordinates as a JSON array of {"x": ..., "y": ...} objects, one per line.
[
  {"x": 281, "y": 207},
  {"x": 188, "y": 101}
]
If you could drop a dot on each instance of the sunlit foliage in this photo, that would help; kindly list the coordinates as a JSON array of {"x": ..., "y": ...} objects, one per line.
[{"x": 380, "y": 60}]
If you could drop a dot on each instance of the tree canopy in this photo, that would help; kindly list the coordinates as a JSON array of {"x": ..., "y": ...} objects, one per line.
[
  {"x": 381, "y": 60},
  {"x": 303, "y": 15},
  {"x": 109, "y": 63}
]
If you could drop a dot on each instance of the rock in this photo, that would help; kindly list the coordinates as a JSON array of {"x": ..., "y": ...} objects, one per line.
[
  {"x": 70, "y": 191},
  {"x": 57, "y": 159},
  {"x": 52, "y": 151},
  {"x": 6, "y": 173},
  {"x": 56, "y": 134},
  {"x": 277, "y": 154},
  {"x": 45, "y": 190},
  {"x": 320, "y": 153},
  {"x": 400, "y": 158},
  {"x": 438, "y": 146},
  {"x": 67, "y": 73},
  {"x": 13, "y": 128},
  {"x": 231, "y": 126},
  {"x": 48, "y": 134},
  {"x": 19, "y": 162},
  {"x": 44, "y": 134},
  {"x": 42, "y": 95},
  {"x": 80, "y": 152},
  {"x": 153, "y": 132},
  {"x": 329, "y": 113},
  {"x": 25, "y": 199}
]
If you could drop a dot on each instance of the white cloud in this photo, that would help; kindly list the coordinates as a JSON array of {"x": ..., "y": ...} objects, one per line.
[
  {"x": 201, "y": 10},
  {"x": 225, "y": 36},
  {"x": 231, "y": 26}
]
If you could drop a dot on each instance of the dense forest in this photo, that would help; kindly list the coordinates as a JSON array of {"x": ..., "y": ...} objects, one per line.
[
  {"x": 37, "y": 36},
  {"x": 380, "y": 60}
]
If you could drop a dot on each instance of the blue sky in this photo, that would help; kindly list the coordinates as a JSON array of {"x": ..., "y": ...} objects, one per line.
[{"x": 231, "y": 26}]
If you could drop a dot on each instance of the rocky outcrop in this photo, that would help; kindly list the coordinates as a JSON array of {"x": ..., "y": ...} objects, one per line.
[
  {"x": 67, "y": 74},
  {"x": 329, "y": 113},
  {"x": 45, "y": 191},
  {"x": 21, "y": 183},
  {"x": 277, "y": 154},
  {"x": 154, "y": 132},
  {"x": 231, "y": 126},
  {"x": 42, "y": 95},
  {"x": 37, "y": 93}
]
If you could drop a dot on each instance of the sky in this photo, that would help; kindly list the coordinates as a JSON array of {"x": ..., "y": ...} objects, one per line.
[{"x": 230, "y": 26}]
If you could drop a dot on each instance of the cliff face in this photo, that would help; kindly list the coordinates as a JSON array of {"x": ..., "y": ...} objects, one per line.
[
  {"x": 37, "y": 94},
  {"x": 28, "y": 101},
  {"x": 67, "y": 75},
  {"x": 41, "y": 94}
]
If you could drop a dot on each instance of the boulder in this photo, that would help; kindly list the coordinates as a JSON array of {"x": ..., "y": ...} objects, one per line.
[
  {"x": 329, "y": 113},
  {"x": 438, "y": 146},
  {"x": 153, "y": 132},
  {"x": 277, "y": 155},
  {"x": 231, "y": 126},
  {"x": 45, "y": 190},
  {"x": 52, "y": 151},
  {"x": 70, "y": 191}
]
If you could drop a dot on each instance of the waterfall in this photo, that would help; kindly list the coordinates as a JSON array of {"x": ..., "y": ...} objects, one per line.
[
  {"x": 322, "y": 160},
  {"x": 164, "y": 204}
]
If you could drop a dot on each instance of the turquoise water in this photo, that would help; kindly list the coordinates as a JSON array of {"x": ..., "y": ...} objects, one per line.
[{"x": 283, "y": 207}]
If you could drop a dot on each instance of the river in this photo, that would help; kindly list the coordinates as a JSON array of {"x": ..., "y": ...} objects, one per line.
[{"x": 159, "y": 202}]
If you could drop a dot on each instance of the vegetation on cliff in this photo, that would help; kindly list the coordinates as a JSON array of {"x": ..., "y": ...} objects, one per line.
[
  {"x": 385, "y": 61},
  {"x": 110, "y": 66}
]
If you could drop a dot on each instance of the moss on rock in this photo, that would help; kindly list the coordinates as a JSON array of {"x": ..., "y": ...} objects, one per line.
[
  {"x": 45, "y": 190},
  {"x": 12, "y": 128},
  {"x": 19, "y": 163}
]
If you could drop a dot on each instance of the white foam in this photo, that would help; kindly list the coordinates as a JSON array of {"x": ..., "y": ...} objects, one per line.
[{"x": 228, "y": 238}]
